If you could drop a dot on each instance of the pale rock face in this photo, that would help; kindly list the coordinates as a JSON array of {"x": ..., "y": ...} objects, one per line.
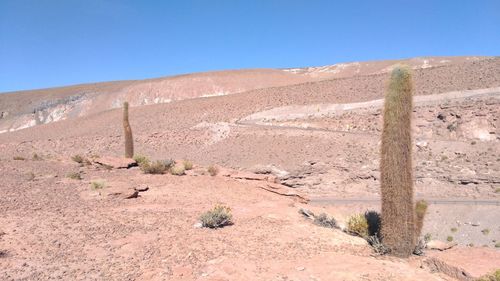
[{"x": 478, "y": 129}]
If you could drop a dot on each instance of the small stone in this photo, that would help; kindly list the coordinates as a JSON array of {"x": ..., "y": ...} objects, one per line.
[
  {"x": 300, "y": 268},
  {"x": 142, "y": 188},
  {"x": 198, "y": 225}
]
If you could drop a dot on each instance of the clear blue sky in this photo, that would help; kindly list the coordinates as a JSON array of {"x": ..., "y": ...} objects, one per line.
[{"x": 60, "y": 42}]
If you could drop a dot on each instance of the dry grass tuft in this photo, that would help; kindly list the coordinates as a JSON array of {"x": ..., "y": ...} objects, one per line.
[
  {"x": 95, "y": 185},
  {"x": 213, "y": 170}
]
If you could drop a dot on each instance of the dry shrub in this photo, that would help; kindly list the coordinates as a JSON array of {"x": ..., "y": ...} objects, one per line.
[
  {"x": 155, "y": 168},
  {"x": 140, "y": 159},
  {"x": 325, "y": 221},
  {"x": 19, "y": 158},
  {"x": 213, "y": 170},
  {"x": 75, "y": 176},
  {"x": 188, "y": 165},
  {"x": 219, "y": 216},
  {"x": 83, "y": 161},
  {"x": 95, "y": 185},
  {"x": 178, "y": 170},
  {"x": 358, "y": 225}
]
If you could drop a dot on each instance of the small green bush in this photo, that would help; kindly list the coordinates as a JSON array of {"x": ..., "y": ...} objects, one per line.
[
  {"x": 155, "y": 168},
  {"x": 75, "y": 176},
  {"x": 449, "y": 238},
  {"x": 95, "y": 185},
  {"x": 188, "y": 165},
  {"x": 213, "y": 170},
  {"x": 357, "y": 224},
  {"x": 453, "y": 229},
  {"x": 219, "y": 216},
  {"x": 485, "y": 231},
  {"x": 19, "y": 158},
  {"x": 497, "y": 245}
]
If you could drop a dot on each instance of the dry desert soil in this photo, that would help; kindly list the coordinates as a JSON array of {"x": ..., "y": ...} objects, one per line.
[{"x": 282, "y": 139}]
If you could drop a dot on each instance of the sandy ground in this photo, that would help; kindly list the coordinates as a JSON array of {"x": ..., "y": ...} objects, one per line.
[{"x": 58, "y": 228}]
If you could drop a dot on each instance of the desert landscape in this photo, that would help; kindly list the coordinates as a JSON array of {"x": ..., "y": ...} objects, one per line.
[{"x": 294, "y": 155}]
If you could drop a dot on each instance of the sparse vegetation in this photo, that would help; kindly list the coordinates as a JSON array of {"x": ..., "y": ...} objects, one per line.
[
  {"x": 75, "y": 176},
  {"x": 36, "y": 157},
  {"x": 497, "y": 245},
  {"x": 140, "y": 159},
  {"x": 155, "y": 168},
  {"x": 20, "y": 158},
  {"x": 219, "y": 216},
  {"x": 31, "y": 176},
  {"x": 78, "y": 158},
  {"x": 497, "y": 190},
  {"x": 213, "y": 170},
  {"x": 398, "y": 210},
  {"x": 358, "y": 225},
  {"x": 178, "y": 170},
  {"x": 325, "y": 221},
  {"x": 95, "y": 185},
  {"x": 188, "y": 165},
  {"x": 83, "y": 161},
  {"x": 453, "y": 229},
  {"x": 495, "y": 276},
  {"x": 428, "y": 237},
  {"x": 485, "y": 231},
  {"x": 449, "y": 238},
  {"x": 377, "y": 245}
]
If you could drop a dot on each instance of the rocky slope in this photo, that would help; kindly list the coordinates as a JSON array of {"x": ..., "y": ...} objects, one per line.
[{"x": 24, "y": 109}]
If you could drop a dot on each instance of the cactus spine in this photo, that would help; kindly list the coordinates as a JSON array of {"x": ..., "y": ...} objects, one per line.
[
  {"x": 398, "y": 213},
  {"x": 127, "y": 130}
]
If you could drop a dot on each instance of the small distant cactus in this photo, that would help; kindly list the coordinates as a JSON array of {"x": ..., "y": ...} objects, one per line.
[
  {"x": 398, "y": 210},
  {"x": 129, "y": 142}
]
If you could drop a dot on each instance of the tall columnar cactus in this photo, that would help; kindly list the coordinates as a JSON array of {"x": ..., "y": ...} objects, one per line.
[
  {"x": 129, "y": 141},
  {"x": 398, "y": 213}
]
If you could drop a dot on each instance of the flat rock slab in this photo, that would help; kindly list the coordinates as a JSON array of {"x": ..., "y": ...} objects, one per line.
[
  {"x": 440, "y": 245},
  {"x": 464, "y": 263},
  {"x": 249, "y": 176},
  {"x": 283, "y": 190},
  {"x": 116, "y": 162}
]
